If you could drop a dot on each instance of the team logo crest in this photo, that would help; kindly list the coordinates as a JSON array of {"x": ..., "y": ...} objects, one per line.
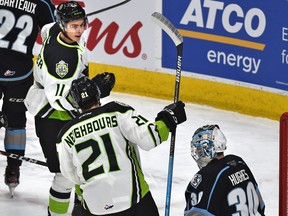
[
  {"x": 196, "y": 180},
  {"x": 9, "y": 73},
  {"x": 61, "y": 68}
]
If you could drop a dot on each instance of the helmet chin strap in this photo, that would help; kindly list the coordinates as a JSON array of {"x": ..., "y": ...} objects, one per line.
[
  {"x": 62, "y": 27},
  {"x": 66, "y": 35}
]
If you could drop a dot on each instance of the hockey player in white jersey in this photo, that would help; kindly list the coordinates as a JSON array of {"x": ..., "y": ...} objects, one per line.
[
  {"x": 98, "y": 151},
  {"x": 61, "y": 60}
]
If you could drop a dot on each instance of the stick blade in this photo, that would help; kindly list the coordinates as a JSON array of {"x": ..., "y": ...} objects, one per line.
[{"x": 168, "y": 27}]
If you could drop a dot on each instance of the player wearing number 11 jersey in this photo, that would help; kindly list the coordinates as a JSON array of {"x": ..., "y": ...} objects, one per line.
[
  {"x": 20, "y": 22},
  {"x": 225, "y": 185}
]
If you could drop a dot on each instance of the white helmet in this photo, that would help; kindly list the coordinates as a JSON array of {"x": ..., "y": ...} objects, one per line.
[{"x": 206, "y": 142}]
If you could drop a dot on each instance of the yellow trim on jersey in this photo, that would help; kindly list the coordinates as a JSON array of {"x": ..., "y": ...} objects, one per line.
[{"x": 244, "y": 100}]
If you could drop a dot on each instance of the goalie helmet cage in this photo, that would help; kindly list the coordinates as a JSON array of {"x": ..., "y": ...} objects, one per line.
[{"x": 283, "y": 165}]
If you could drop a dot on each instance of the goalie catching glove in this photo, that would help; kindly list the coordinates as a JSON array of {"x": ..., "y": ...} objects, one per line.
[
  {"x": 105, "y": 82},
  {"x": 172, "y": 115}
]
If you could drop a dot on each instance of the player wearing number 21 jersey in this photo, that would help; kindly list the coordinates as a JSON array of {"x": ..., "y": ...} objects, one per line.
[
  {"x": 224, "y": 186},
  {"x": 98, "y": 150}
]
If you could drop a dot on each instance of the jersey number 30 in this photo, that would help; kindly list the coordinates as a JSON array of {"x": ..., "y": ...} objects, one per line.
[{"x": 244, "y": 205}]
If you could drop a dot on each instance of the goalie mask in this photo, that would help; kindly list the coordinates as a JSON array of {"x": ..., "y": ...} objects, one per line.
[
  {"x": 84, "y": 93},
  {"x": 69, "y": 11},
  {"x": 206, "y": 142}
]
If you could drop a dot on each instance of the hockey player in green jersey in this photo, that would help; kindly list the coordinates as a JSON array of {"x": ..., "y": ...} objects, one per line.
[{"x": 98, "y": 151}]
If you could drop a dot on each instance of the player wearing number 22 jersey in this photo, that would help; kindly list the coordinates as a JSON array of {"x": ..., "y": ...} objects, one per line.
[
  {"x": 20, "y": 22},
  {"x": 224, "y": 185}
]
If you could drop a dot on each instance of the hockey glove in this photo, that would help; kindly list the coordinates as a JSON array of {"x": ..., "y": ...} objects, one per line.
[
  {"x": 3, "y": 120},
  {"x": 105, "y": 82},
  {"x": 172, "y": 115}
]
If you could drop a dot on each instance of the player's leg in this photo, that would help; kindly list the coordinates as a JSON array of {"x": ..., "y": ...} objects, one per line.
[
  {"x": 77, "y": 209},
  {"x": 60, "y": 191},
  {"x": 15, "y": 135},
  {"x": 146, "y": 206},
  {"x": 59, "y": 198}
]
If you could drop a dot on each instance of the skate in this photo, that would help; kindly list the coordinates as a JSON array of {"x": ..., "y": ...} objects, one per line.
[{"x": 12, "y": 175}]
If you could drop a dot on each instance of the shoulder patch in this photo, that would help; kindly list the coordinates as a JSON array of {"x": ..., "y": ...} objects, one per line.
[
  {"x": 232, "y": 163},
  {"x": 61, "y": 68},
  {"x": 196, "y": 180},
  {"x": 122, "y": 104}
]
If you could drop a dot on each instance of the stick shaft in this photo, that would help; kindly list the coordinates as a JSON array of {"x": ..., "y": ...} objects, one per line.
[
  {"x": 177, "y": 38},
  {"x": 173, "y": 135},
  {"x": 22, "y": 158}
]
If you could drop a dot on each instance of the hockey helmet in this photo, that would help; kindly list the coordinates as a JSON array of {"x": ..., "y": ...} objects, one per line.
[
  {"x": 69, "y": 11},
  {"x": 84, "y": 92},
  {"x": 206, "y": 142}
]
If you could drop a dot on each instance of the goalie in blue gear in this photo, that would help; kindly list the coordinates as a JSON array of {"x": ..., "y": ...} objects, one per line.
[{"x": 224, "y": 185}]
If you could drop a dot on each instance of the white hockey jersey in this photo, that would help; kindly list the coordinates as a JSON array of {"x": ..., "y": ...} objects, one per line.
[
  {"x": 98, "y": 151},
  {"x": 57, "y": 65}
]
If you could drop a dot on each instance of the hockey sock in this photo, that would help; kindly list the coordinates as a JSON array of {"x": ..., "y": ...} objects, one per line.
[
  {"x": 15, "y": 142},
  {"x": 59, "y": 198}
]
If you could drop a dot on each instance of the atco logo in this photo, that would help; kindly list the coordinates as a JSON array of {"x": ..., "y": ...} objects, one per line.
[{"x": 234, "y": 17}]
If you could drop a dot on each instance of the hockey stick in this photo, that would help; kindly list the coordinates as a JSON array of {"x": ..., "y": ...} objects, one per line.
[
  {"x": 23, "y": 158},
  {"x": 108, "y": 8},
  {"x": 173, "y": 33}
]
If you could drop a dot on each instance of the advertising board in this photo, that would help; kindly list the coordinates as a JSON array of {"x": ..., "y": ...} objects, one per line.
[{"x": 243, "y": 40}]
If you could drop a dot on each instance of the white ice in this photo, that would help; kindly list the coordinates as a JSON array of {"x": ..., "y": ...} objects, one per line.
[{"x": 254, "y": 139}]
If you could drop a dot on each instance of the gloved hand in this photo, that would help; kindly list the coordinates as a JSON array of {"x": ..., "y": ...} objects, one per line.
[
  {"x": 172, "y": 115},
  {"x": 3, "y": 120},
  {"x": 105, "y": 82}
]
